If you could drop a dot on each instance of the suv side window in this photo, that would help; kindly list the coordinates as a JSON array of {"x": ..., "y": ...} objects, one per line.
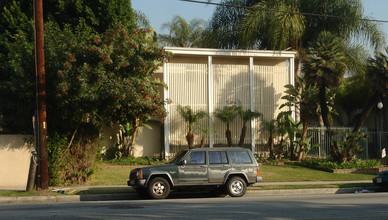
[
  {"x": 240, "y": 157},
  {"x": 196, "y": 157},
  {"x": 217, "y": 157}
]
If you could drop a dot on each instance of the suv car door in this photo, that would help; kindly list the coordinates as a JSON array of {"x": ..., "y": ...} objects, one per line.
[
  {"x": 218, "y": 166},
  {"x": 194, "y": 170}
]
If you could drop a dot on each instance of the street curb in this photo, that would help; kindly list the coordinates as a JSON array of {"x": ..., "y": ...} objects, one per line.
[{"x": 133, "y": 196}]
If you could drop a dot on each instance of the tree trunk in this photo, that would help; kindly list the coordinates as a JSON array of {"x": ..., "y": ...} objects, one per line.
[
  {"x": 324, "y": 108},
  {"x": 133, "y": 139},
  {"x": 297, "y": 69},
  {"x": 271, "y": 148},
  {"x": 242, "y": 136},
  {"x": 366, "y": 111},
  {"x": 190, "y": 139},
  {"x": 203, "y": 141},
  {"x": 281, "y": 147},
  {"x": 228, "y": 135},
  {"x": 303, "y": 139}
]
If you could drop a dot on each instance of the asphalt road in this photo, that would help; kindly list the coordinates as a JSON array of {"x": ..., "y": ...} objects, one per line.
[{"x": 333, "y": 206}]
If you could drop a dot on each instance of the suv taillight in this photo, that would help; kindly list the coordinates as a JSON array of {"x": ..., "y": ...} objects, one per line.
[{"x": 258, "y": 171}]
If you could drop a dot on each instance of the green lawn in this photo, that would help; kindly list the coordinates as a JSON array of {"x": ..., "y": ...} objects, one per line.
[
  {"x": 293, "y": 173},
  {"x": 118, "y": 174}
]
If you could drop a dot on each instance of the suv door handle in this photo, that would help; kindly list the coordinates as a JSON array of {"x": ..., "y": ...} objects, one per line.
[
  {"x": 203, "y": 166},
  {"x": 226, "y": 165}
]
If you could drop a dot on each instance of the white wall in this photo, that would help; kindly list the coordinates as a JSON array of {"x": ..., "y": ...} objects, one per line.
[{"x": 15, "y": 156}]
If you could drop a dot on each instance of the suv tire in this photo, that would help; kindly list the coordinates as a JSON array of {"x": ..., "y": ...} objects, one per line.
[
  {"x": 236, "y": 186},
  {"x": 158, "y": 188}
]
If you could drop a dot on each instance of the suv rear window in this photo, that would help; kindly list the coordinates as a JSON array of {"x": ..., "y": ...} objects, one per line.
[
  {"x": 240, "y": 157},
  {"x": 217, "y": 157}
]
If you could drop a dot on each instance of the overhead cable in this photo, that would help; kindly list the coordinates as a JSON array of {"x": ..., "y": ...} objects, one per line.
[{"x": 288, "y": 12}]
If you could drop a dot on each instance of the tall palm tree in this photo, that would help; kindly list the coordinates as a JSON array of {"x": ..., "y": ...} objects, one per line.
[
  {"x": 246, "y": 115},
  {"x": 226, "y": 115},
  {"x": 182, "y": 33},
  {"x": 190, "y": 117},
  {"x": 377, "y": 75},
  {"x": 267, "y": 25},
  {"x": 325, "y": 66}
]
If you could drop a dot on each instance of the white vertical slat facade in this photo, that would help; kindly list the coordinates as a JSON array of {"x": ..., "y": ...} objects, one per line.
[
  {"x": 188, "y": 85},
  {"x": 269, "y": 82},
  {"x": 230, "y": 86},
  {"x": 256, "y": 87}
]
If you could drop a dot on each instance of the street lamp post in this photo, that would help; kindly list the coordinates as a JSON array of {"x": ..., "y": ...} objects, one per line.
[{"x": 378, "y": 134}]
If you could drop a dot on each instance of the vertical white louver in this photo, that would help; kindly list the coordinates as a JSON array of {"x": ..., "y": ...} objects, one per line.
[
  {"x": 188, "y": 85},
  {"x": 253, "y": 79},
  {"x": 269, "y": 82},
  {"x": 230, "y": 86}
]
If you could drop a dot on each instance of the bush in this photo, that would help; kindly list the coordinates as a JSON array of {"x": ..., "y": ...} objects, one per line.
[
  {"x": 354, "y": 164},
  {"x": 76, "y": 164},
  {"x": 135, "y": 161}
]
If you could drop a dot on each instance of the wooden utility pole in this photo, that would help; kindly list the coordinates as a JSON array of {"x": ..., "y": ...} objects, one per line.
[{"x": 41, "y": 96}]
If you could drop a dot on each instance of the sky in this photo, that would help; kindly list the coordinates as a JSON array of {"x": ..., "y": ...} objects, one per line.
[{"x": 162, "y": 11}]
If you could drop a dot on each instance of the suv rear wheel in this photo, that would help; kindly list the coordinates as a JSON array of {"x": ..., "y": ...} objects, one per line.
[
  {"x": 236, "y": 187},
  {"x": 158, "y": 188}
]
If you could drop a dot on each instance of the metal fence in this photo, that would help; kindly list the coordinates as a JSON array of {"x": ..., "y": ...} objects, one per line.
[{"x": 371, "y": 147}]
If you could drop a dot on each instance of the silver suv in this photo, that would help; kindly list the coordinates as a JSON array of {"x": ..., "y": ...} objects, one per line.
[{"x": 229, "y": 169}]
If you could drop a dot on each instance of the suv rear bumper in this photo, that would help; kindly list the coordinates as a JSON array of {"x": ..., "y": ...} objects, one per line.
[{"x": 259, "y": 179}]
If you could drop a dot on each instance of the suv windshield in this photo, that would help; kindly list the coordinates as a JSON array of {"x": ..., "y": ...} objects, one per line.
[{"x": 179, "y": 157}]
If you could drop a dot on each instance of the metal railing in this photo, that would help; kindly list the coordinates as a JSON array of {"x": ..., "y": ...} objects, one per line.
[{"x": 371, "y": 147}]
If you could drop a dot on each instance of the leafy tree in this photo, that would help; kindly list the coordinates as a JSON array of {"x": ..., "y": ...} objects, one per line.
[
  {"x": 377, "y": 78},
  {"x": 65, "y": 20},
  {"x": 98, "y": 14},
  {"x": 112, "y": 78},
  {"x": 191, "y": 117},
  {"x": 183, "y": 34},
  {"x": 142, "y": 21},
  {"x": 351, "y": 96},
  {"x": 246, "y": 115},
  {"x": 226, "y": 115}
]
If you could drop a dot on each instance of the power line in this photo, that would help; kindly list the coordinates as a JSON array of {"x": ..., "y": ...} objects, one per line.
[{"x": 288, "y": 12}]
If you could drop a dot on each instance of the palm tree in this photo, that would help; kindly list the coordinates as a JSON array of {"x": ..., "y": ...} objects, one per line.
[
  {"x": 270, "y": 127},
  {"x": 267, "y": 25},
  {"x": 325, "y": 66},
  {"x": 191, "y": 117},
  {"x": 226, "y": 115},
  {"x": 183, "y": 34},
  {"x": 246, "y": 115},
  {"x": 377, "y": 75}
]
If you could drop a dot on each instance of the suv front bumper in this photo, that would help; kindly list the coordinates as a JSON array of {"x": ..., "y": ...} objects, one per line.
[{"x": 137, "y": 183}]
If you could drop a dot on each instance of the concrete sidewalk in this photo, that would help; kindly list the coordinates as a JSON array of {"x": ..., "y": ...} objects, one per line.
[{"x": 132, "y": 196}]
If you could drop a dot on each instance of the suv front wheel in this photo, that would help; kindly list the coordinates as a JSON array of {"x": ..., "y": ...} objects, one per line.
[
  {"x": 236, "y": 187},
  {"x": 158, "y": 188}
]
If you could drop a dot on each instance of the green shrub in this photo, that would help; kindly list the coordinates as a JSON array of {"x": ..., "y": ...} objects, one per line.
[
  {"x": 356, "y": 163},
  {"x": 135, "y": 161},
  {"x": 71, "y": 165}
]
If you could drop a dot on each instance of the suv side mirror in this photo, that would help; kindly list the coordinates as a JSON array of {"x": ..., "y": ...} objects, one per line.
[{"x": 183, "y": 162}]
